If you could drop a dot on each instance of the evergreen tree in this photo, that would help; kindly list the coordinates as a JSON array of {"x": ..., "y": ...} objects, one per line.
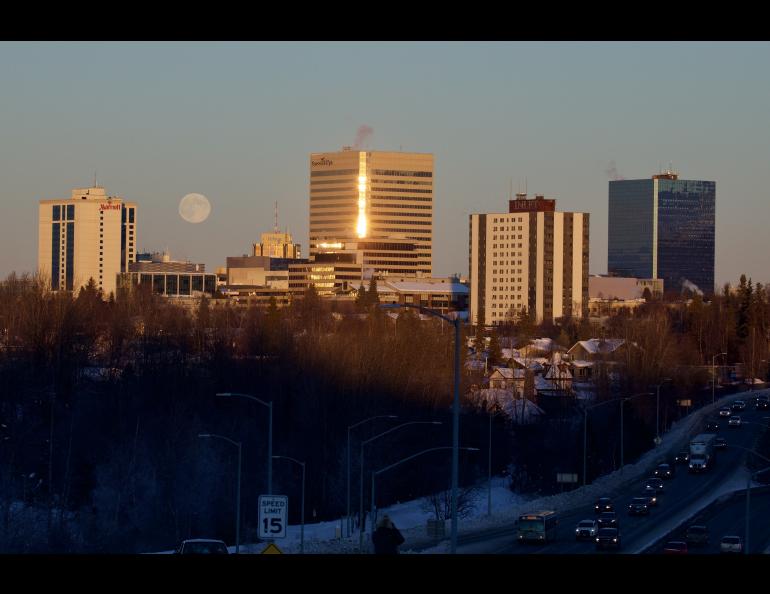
[
  {"x": 495, "y": 352},
  {"x": 372, "y": 297}
]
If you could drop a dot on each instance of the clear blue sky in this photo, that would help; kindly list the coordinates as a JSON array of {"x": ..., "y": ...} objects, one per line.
[{"x": 236, "y": 122}]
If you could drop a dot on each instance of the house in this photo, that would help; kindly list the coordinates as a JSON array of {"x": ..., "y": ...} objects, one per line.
[
  {"x": 596, "y": 349},
  {"x": 505, "y": 378}
]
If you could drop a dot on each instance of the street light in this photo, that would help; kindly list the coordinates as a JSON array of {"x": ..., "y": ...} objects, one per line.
[
  {"x": 238, "y": 492},
  {"x": 713, "y": 374},
  {"x": 348, "y": 453},
  {"x": 748, "y": 487},
  {"x": 373, "y": 507},
  {"x": 455, "y": 409},
  {"x": 269, "y": 405},
  {"x": 585, "y": 427},
  {"x": 657, "y": 409},
  {"x": 302, "y": 510},
  {"x": 622, "y": 443},
  {"x": 361, "y": 491}
]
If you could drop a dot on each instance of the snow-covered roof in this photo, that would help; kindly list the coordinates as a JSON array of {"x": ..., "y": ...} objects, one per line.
[
  {"x": 508, "y": 373},
  {"x": 554, "y": 372},
  {"x": 581, "y": 363},
  {"x": 533, "y": 363},
  {"x": 597, "y": 346},
  {"x": 522, "y": 411},
  {"x": 421, "y": 287}
]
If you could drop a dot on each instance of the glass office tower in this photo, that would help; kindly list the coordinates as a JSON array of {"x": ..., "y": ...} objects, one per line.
[{"x": 663, "y": 228}]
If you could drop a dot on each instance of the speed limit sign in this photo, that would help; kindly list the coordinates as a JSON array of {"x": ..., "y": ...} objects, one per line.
[{"x": 273, "y": 510}]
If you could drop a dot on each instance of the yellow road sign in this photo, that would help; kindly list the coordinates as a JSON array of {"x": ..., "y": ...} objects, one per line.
[{"x": 271, "y": 549}]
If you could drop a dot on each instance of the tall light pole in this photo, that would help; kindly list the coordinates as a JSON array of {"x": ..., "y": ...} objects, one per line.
[
  {"x": 361, "y": 491},
  {"x": 348, "y": 456},
  {"x": 373, "y": 507},
  {"x": 269, "y": 406},
  {"x": 713, "y": 375},
  {"x": 622, "y": 442},
  {"x": 238, "y": 491},
  {"x": 302, "y": 509},
  {"x": 748, "y": 488},
  {"x": 657, "y": 409},
  {"x": 455, "y": 409}
]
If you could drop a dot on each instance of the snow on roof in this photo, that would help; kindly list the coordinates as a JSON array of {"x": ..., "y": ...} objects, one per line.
[
  {"x": 422, "y": 287},
  {"x": 597, "y": 346},
  {"x": 554, "y": 372},
  {"x": 505, "y": 372},
  {"x": 581, "y": 363},
  {"x": 522, "y": 411}
]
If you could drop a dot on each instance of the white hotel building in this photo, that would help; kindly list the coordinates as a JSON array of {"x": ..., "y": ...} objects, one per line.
[
  {"x": 530, "y": 259},
  {"x": 91, "y": 235}
]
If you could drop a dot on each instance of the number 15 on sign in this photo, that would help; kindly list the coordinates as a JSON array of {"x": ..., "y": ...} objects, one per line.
[{"x": 272, "y": 516}]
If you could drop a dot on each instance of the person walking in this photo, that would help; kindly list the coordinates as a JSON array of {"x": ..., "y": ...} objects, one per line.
[{"x": 386, "y": 538}]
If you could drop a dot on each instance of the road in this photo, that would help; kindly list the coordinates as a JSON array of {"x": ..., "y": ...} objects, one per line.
[
  {"x": 684, "y": 493},
  {"x": 726, "y": 518}
]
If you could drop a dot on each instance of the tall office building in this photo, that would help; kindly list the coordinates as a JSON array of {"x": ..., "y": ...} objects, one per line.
[
  {"x": 381, "y": 201},
  {"x": 91, "y": 235},
  {"x": 663, "y": 228},
  {"x": 530, "y": 259},
  {"x": 277, "y": 245}
]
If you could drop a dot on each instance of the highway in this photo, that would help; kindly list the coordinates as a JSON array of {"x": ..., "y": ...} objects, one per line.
[
  {"x": 684, "y": 493},
  {"x": 729, "y": 518}
]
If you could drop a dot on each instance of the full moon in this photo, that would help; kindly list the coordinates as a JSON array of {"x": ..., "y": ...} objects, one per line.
[{"x": 194, "y": 208}]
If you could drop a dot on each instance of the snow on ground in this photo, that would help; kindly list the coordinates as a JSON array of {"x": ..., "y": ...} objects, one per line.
[{"x": 324, "y": 537}]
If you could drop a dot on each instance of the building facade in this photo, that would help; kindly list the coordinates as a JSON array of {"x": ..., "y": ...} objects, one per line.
[
  {"x": 530, "y": 260},
  {"x": 168, "y": 277},
  {"x": 664, "y": 228},
  {"x": 277, "y": 245},
  {"x": 90, "y": 236},
  {"x": 374, "y": 198}
]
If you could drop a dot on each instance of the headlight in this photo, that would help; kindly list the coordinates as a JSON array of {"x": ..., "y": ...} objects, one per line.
[
  {"x": 597, "y": 540},
  {"x": 577, "y": 531},
  {"x": 614, "y": 540}
]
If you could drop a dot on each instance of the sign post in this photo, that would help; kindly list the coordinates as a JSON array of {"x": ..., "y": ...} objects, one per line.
[{"x": 272, "y": 516}]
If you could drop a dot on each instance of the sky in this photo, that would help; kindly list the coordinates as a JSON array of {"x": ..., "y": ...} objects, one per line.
[{"x": 237, "y": 122}]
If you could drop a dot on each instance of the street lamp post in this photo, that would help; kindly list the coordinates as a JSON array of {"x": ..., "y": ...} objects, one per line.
[
  {"x": 622, "y": 441},
  {"x": 269, "y": 406},
  {"x": 302, "y": 508},
  {"x": 373, "y": 507},
  {"x": 361, "y": 490},
  {"x": 238, "y": 492},
  {"x": 657, "y": 409},
  {"x": 348, "y": 455},
  {"x": 713, "y": 375},
  {"x": 748, "y": 488},
  {"x": 455, "y": 409}
]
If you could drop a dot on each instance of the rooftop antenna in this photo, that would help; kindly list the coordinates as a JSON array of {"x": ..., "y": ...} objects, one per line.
[
  {"x": 510, "y": 194},
  {"x": 275, "y": 225},
  {"x": 95, "y": 179},
  {"x": 525, "y": 184}
]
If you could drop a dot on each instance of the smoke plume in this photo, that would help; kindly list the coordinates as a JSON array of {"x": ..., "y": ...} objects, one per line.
[
  {"x": 612, "y": 172},
  {"x": 687, "y": 284},
  {"x": 363, "y": 133}
]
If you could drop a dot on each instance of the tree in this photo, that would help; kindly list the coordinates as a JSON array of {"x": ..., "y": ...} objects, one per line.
[
  {"x": 495, "y": 352},
  {"x": 372, "y": 297}
]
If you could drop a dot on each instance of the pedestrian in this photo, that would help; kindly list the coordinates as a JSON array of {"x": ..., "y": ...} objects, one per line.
[{"x": 386, "y": 538}]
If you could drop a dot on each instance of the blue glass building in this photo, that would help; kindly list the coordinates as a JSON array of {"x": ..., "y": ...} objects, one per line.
[{"x": 663, "y": 228}]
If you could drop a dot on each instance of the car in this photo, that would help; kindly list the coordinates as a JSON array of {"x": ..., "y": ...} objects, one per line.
[
  {"x": 697, "y": 535},
  {"x": 731, "y": 544},
  {"x": 639, "y": 506},
  {"x": 720, "y": 443},
  {"x": 586, "y": 529},
  {"x": 712, "y": 427},
  {"x": 739, "y": 405},
  {"x": 603, "y": 504},
  {"x": 735, "y": 421},
  {"x": 202, "y": 546},
  {"x": 762, "y": 403},
  {"x": 651, "y": 497},
  {"x": 608, "y": 538},
  {"x": 725, "y": 411},
  {"x": 656, "y": 483},
  {"x": 665, "y": 471},
  {"x": 607, "y": 520},
  {"x": 682, "y": 457},
  {"x": 675, "y": 547}
]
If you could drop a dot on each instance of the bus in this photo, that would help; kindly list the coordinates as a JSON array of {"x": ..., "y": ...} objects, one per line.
[{"x": 537, "y": 527}]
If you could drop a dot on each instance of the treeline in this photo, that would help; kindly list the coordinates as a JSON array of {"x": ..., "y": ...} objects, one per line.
[{"x": 102, "y": 401}]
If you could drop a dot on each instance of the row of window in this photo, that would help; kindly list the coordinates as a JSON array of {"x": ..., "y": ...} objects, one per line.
[
  {"x": 410, "y": 190},
  {"x": 401, "y": 181},
  {"x": 333, "y": 172},
  {"x": 402, "y": 173}
]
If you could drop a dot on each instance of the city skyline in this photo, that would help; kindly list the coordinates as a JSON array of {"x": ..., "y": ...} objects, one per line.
[{"x": 564, "y": 117}]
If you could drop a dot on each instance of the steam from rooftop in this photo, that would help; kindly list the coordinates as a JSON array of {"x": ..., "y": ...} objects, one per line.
[
  {"x": 364, "y": 132},
  {"x": 612, "y": 172}
]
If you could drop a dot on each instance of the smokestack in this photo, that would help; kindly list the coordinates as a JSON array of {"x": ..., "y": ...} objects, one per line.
[{"x": 364, "y": 132}]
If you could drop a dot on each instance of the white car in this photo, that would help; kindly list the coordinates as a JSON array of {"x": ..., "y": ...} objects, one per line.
[
  {"x": 731, "y": 544},
  {"x": 735, "y": 421},
  {"x": 585, "y": 529}
]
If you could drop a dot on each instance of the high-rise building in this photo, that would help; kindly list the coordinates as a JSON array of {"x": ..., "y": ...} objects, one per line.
[
  {"x": 277, "y": 245},
  {"x": 91, "y": 235},
  {"x": 381, "y": 201},
  {"x": 531, "y": 260},
  {"x": 663, "y": 227}
]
